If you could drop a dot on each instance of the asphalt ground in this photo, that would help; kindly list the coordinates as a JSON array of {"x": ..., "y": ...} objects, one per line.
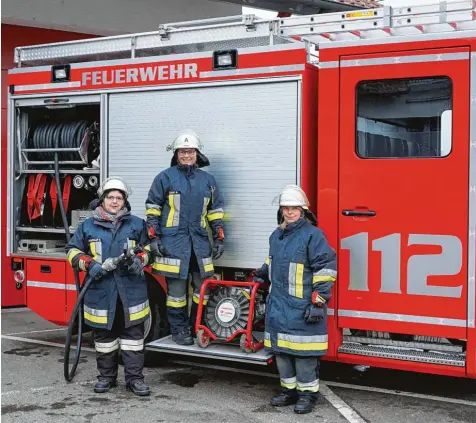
[{"x": 186, "y": 390}]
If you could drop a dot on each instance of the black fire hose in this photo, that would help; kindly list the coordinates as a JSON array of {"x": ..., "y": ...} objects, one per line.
[
  {"x": 124, "y": 257},
  {"x": 69, "y": 375}
]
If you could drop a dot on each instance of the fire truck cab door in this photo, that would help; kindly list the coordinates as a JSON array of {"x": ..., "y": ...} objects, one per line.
[{"x": 403, "y": 192}]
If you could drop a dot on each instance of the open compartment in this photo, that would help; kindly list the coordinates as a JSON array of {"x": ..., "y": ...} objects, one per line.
[{"x": 54, "y": 135}]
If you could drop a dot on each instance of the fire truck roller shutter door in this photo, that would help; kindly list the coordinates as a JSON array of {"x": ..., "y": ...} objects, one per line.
[{"x": 233, "y": 130}]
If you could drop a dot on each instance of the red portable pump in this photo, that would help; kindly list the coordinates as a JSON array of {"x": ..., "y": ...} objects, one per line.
[{"x": 233, "y": 311}]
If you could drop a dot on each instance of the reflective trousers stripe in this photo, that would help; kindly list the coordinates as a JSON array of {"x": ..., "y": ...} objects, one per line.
[
  {"x": 176, "y": 302},
  {"x": 132, "y": 344},
  {"x": 107, "y": 347},
  {"x": 309, "y": 386},
  {"x": 289, "y": 383},
  {"x": 196, "y": 299}
]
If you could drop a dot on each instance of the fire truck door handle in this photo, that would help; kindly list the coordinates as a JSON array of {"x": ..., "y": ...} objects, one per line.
[
  {"x": 45, "y": 269},
  {"x": 358, "y": 213}
]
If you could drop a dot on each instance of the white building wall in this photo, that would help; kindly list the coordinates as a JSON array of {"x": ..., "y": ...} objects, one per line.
[{"x": 108, "y": 17}]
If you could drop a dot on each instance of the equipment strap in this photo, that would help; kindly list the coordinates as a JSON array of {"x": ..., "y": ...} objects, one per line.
[
  {"x": 66, "y": 192},
  {"x": 53, "y": 196},
  {"x": 36, "y": 195}
]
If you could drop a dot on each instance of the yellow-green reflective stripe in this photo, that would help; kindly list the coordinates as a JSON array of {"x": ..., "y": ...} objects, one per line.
[
  {"x": 266, "y": 261},
  {"x": 153, "y": 212},
  {"x": 196, "y": 299},
  {"x": 95, "y": 319},
  {"x": 267, "y": 343},
  {"x": 176, "y": 302},
  {"x": 208, "y": 268},
  {"x": 308, "y": 387},
  {"x": 166, "y": 267},
  {"x": 299, "y": 278},
  {"x": 72, "y": 254},
  {"x": 289, "y": 385},
  {"x": 215, "y": 216},
  {"x": 297, "y": 346},
  {"x": 317, "y": 279},
  {"x": 170, "y": 218},
  {"x": 206, "y": 200},
  {"x": 139, "y": 314}
]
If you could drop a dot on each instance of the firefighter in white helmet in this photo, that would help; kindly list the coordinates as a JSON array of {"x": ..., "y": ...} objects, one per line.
[
  {"x": 183, "y": 201},
  {"x": 116, "y": 303},
  {"x": 301, "y": 269}
]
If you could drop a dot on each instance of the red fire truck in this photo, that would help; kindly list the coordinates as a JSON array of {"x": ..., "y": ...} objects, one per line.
[{"x": 372, "y": 112}]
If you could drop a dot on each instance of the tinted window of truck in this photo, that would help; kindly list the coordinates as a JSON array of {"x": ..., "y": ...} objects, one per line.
[{"x": 403, "y": 118}]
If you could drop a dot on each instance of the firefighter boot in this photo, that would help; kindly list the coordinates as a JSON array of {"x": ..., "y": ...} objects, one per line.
[
  {"x": 138, "y": 387},
  {"x": 103, "y": 385},
  {"x": 183, "y": 338},
  {"x": 305, "y": 404},
  {"x": 286, "y": 397}
]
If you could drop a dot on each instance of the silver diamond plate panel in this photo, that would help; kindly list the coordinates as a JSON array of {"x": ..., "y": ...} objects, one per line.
[{"x": 450, "y": 359}]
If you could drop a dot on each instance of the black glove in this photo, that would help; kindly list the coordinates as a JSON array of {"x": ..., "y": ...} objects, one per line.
[
  {"x": 257, "y": 276},
  {"x": 157, "y": 248},
  {"x": 314, "y": 314},
  {"x": 135, "y": 268},
  {"x": 218, "y": 249},
  {"x": 95, "y": 271}
]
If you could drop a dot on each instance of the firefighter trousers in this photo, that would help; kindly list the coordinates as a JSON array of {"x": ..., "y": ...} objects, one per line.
[
  {"x": 177, "y": 304},
  {"x": 131, "y": 342},
  {"x": 299, "y": 374}
]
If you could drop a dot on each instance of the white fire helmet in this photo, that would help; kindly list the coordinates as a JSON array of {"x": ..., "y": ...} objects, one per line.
[
  {"x": 186, "y": 139},
  {"x": 292, "y": 196},
  {"x": 115, "y": 182}
]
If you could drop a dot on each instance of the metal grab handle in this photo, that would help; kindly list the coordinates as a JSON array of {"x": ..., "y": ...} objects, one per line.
[{"x": 358, "y": 213}]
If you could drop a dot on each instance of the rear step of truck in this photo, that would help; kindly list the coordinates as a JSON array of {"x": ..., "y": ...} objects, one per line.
[
  {"x": 449, "y": 355},
  {"x": 229, "y": 352}
]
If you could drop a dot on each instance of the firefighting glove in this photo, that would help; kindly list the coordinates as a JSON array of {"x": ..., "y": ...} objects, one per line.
[
  {"x": 218, "y": 249},
  {"x": 136, "y": 267},
  {"x": 157, "y": 248},
  {"x": 109, "y": 265},
  {"x": 314, "y": 314},
  {"x": 95, "y": 271},
  {"x": 257, "y": 277}
]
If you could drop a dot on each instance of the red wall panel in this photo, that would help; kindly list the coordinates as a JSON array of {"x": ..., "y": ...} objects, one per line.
[{"x": 12, "y": 36}]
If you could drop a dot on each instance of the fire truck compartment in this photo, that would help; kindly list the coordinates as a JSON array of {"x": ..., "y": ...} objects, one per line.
[
  {"x": 45, "y": 280},
  {"x": 227, "y": 352},
  {"x": 43, "y": 129},
  {"x": 251, "y": 134}
]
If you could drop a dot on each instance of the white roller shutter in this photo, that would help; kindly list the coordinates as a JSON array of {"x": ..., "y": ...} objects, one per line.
[{"x": 251, "y": 136}]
